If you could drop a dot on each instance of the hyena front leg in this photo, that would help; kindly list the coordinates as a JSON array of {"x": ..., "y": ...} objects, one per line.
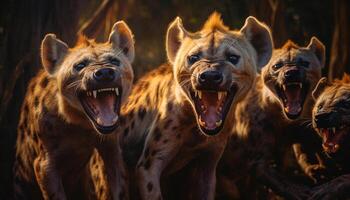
[
  {"x": 160, "y": 148},
  {"x": 203, "y": 174},
  {"x": 115, "y": 170},
  {"x": 48, "y": 178}
]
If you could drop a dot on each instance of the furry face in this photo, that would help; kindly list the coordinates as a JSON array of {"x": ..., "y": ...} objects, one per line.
[
  {"x": 292, "y": 73},
  {"x": 93, "y": 78},
  {"x": 331, "y": 114},
  {"x": 216, "y": 67}
]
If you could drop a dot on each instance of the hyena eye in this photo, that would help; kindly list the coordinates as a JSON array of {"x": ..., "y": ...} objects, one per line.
[
  {"x": 233, "y": 59},
  {"x": 277, "y": 66},
  {"x": 192, "y": 59},
  {"x": 79, "y": 66},
  {"x": 114, "y": 61},
  {"x": 304, "y": 63}
]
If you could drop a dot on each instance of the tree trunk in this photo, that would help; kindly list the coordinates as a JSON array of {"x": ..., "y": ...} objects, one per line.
[{"x": 340, "y": 50}]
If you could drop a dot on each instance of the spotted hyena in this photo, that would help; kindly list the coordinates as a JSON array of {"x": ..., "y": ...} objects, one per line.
[
  {"x": 182, "y": 112},
  {"x": 68, "y": 110},
  {"x": 330, "y": 119},
  {"x": 281, "y": 96}
]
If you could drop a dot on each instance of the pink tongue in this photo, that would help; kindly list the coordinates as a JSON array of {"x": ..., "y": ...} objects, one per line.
[
  {"x": 104, "y": 109},
  {"x": 210, "y": 115},
  {"x": 293, "y": 104}
]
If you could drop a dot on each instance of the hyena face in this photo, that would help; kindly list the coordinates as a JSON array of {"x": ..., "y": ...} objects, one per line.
[
  {"x": 216, "y": 67},
  {"x": 292, "y": 73},
  {"x": 93, "y": 78},
  {"x": 331, "y": 114}
]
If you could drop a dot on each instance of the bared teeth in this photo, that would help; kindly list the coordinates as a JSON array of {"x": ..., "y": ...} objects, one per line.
[
  {"x": 221, "y": 95},
  {"x": 333, "y": 130},
  {"x": 195, "y": 93},
  {"x": 300, "y": 85},
  {"x": 218, "y": 123},
  {"x": 116, "y": 91},
  {"x": 202, "y": 123},
  {"x": 200, "y": 94},
  {"x": 94, "y": 93},
  {"x": 284, "y": 87}
]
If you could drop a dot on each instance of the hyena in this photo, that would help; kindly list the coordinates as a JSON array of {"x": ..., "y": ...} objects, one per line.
[
  {"x": 68, "y": 110},
  {"x": 282, "y": 95},
  {"x": 181, "y": 112}
]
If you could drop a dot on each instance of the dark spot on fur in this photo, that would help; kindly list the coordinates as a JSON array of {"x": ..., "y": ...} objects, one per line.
[
  {"x": 147, "y": 152},
  {"x": 147, "y": 164},
  {"x": 145, "y": 85},
  {"x": 26, "y": 108},
  {"x": 157, "y": 134},
  {"x": 149, "y": 186},
  {"x": 132, "y": 125},
  {"x": 169, "y": 106},
  {"x": 142, "y": 113},
  {"x": 36, "y": 101},
  {"x": 154, "y": 152},
  {"x": 101, "y": 190},
  {"x": 165, "y": 141},
  {"x": 131, "y": 113},
  {"x": 126, "y": 131},
  {"x": 44, "y": 82},
  {"x": 167, "y": 123},
  {"x": 147, "y": 100}
]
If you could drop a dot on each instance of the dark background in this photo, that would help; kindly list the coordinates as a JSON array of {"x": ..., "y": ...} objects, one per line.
[{"x": 23, "y": 24}]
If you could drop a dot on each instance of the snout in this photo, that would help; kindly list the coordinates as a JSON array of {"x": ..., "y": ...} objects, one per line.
[
  {"x": 210, "y": 79},
  {"x": 104, "y": 75},
  {"x": 293, "y": 75},
  {"x": 327, "y": 119}
]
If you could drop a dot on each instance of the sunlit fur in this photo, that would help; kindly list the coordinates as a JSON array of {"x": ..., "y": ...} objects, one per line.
[
  {"x": 292, "y": 52},
  {"x": 214, "y": 41}
]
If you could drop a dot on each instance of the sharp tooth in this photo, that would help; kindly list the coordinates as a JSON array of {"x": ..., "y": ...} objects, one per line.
[
  {"x": 202, "y": 123},
  {"x": 195, "y": 93},
  {"x": 336, "y": 146},
  {"x": 94, "y": 93},
  {"x": 221, "y": 94},
  {"x": 300, "y": 85},
  {"x": 116, "y": 91},
  {"x": 220, "y": 108},
  {"x": 333, "y": 130},
  {"x": 284, "y": 87},
  {"x": 115, "y": 118},
  {"x": 218, "y": 123},
  {"x": 87, "y": 93},
  {"x": 200, "y": 94}
]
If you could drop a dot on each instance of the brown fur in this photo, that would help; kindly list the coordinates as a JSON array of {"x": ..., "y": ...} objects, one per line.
[
  {"x": 261, "y": 129},
  {"x": 55, "y": 138},
  {"x": 161, "y": 133}
]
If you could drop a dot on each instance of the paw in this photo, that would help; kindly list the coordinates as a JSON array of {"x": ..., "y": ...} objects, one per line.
[{"x": 316, "y": 172}]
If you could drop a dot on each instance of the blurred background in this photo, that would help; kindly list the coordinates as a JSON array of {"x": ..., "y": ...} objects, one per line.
[{"x": 23, "y": 24}]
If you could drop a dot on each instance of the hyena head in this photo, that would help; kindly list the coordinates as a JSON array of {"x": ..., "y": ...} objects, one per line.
[
  {"x": 291, "y": 75},
  {"x": 331, "y": 114},
  {"x": 215, "y": 67},
  {"x": 93, "y": 78}
]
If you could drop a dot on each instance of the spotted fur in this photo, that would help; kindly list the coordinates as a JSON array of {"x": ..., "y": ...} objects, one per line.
[
  {"x": 262, "y": 125},
  {"x": 56, "y": 139}
]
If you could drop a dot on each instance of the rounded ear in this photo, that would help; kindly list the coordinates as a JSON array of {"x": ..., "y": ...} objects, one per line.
[
  {"x": 259, "y": 35},
  {"x": 319, "y": 49},
  {"x": 174, "y": 37},
  {"x": 321, "y": 85},
  {"x": 122, "y": 38},
  {"x": 52, "y": 51}
]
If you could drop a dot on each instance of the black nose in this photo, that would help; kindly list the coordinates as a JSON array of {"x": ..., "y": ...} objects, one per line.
[
  {"x": 327, "y": 119},
  {"x": 210, "y": 77},
  {"x": 292, "y": 73},
  {"x": 104, "y": 74}
]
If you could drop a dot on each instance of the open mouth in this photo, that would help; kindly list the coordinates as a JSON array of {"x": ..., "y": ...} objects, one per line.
[
  {"x": 293, "y": 96},
  {"x": 211, "y": 108},
  {"x": 332, "y": 137},
  {"x": 102, "y": 106}
]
